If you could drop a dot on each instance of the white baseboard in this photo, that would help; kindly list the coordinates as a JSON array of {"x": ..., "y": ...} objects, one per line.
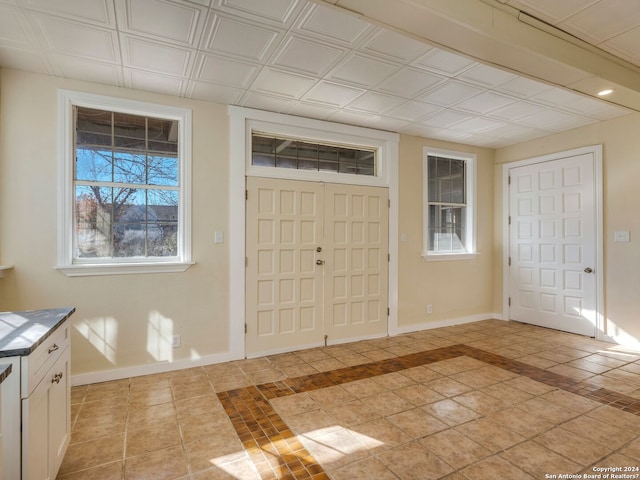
[
  {"x": 417, "y": 327},
  {"x": 139, "y": 370}
]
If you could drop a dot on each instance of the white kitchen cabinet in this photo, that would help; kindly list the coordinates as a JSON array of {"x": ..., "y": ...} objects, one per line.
[
  {"x": 46, "y": 423},
  {"x": 35, "y": 406}
]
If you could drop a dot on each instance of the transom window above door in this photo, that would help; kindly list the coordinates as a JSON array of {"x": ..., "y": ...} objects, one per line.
[{"x": 272, "y": 151}]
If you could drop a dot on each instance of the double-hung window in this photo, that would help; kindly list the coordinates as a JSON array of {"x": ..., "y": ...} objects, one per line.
[
  {"x": 125, "y": 168},
  {"x": 449, "y": 179}
]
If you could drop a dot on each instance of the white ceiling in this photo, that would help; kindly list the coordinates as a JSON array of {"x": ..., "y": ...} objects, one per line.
[{"x": 310, "y": 59}]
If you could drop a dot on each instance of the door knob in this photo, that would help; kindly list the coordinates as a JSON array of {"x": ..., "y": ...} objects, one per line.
[
  {"x": 588, "y": 270},
  {"x": 318, "y": 249},
  {"x": 319, "y": 262}
]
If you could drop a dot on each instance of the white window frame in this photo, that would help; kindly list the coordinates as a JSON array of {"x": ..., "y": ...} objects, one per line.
[
  {"x": 67, "y": 263},
  {"x": 470, "y": 160}
]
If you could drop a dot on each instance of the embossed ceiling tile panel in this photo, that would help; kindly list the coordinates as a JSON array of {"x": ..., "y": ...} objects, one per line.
[
  {"x": 304, "y": 56},
  {"x": 516, "y": 110},
  {"x": 557, "y": 97},
  {"x": 277, "y": 12},
  {"x": 265, "y": 102},
  {"x": 444, "y": 119},
  {"x": 523, "y": 87},
  {"x": 362, "y": 71},
  {"x": 412, "y": 111},
  {"x": 395, "y": 46},
  {"x": 93, "y": 11},
  {"x": 232, "y": 37},
  {"x": 158, "y": 57},
  {"x": 551, "y": 11},
  {"x": 409, "y": 82},
  {"x": 595, "y": 109},
  {"x": 485, "y": 103},
  {"x": 14, "y": 28},
  {"x": 332, "y": 94},
  {"x": 72, "y": 38},
  {"x": 486, "y": 76},
  {"x": 477, "y": 125},
  {"x": 83, "y": 69},
  {"x": 21, "y": 59},
  {"x": 381, "y": 122},
  {"x": 555, "y": 120},
  {"x": 603, "y": 20},
  {"x": 160, "y": 19},
  {"x": 214, "y": 93},
  {"x": 441, "y": 61},
  {"x": 331, "y": 25},
  {"x": 451, "y": 93},
  {"x": 310, "y": 110},
  {"x": 152, "y": 82},
  {"x": 375, "y": 103},
  {"x": 283, "y": 84},
  {"x": 522, "y": 133},
  {"x": 212, "y": 68}
]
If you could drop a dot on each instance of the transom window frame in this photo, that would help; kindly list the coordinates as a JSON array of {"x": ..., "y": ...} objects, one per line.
[
  {"x": 350, "y": 137},
  {"x": 67, "y": 263},
  {"x": 470, "y": 160}
]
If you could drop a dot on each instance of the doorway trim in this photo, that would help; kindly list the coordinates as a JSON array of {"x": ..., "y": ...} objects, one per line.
[
  {"x": 239, "y": 125},
  {"x": 596, "y": 151}
]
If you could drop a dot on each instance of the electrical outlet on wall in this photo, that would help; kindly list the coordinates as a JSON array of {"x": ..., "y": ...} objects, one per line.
[
  {"x": 175, "y": 341},
  {"x": 429, "y": 309}
]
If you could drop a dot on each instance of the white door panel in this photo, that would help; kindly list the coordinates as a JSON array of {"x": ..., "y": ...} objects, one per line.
[
  {"x": 316, "y": 263},
  {"x": 552, "y": 244}
]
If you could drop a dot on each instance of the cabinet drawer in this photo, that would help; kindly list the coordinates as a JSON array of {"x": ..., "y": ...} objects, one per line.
[{"x": 36, "y": 365}]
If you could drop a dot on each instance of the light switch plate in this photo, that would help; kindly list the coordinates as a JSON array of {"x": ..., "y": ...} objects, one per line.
[
  {"x": 219, "y": 237},
  {"x": 621, "y": 236}
]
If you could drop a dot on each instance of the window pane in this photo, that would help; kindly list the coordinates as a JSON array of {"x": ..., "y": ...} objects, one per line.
[
  {"x": 457, "y": 181},
  {"x": 93, "y": 165},
  {"x": 162, "y": 226},
  {"x": 93, "y": 221},
  {"x": 93, "y": 127},
  {"x": 162, "y": 170},
  {"x": 129, "y": 167},
  {"x": 303, "y": 155},
  {"x": 129, "y": 231},
  {"x": 129, "y": 131},
  {"x": 446, "y": 229},
  {"x": 162, "y": 135}
]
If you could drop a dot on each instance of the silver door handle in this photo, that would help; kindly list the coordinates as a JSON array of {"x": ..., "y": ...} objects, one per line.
[
  {"x": 319, "y": 262},
  {"x": 588, "y": 270}
]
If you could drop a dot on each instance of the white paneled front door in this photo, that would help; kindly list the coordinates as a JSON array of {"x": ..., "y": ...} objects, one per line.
[
  {"x": 552, "y": 244},
  {"x": 316, "y": 263}
]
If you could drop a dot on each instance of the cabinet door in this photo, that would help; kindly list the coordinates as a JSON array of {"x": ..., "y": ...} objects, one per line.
[
  {"x": 35, "y": 436},
  {"x": 59, "y": 412},
  {"x": 46, "y": 423}
]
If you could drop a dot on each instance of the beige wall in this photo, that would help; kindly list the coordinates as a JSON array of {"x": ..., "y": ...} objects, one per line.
[
  {"x": 119, "y": 318},
  {"x": 621, "y": 171},
  {"x": 456, "y": 289}
]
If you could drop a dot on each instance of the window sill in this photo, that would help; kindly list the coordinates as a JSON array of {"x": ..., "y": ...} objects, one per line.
[
  {"x": 443, "y": 257},
  {"x": 85, "y": 270}
]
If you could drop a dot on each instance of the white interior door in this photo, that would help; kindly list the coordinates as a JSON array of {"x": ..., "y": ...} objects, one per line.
[
  {"x": 552, "y": 244},
  {"x": 316, "y": 264}
]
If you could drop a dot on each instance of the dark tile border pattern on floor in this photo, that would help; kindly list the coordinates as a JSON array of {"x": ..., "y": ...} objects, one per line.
[{"x": 275, "y": 449}]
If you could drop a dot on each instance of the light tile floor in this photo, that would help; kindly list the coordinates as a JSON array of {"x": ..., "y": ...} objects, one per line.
[{"x": 487, "y": 400}]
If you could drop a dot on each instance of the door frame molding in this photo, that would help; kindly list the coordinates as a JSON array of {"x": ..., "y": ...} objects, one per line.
[
  {"x": 239, "y": 124},
  {"x": 596, "y": 151}
]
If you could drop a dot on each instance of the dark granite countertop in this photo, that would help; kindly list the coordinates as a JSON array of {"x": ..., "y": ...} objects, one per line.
[
  {"x": 22, "y": 332},
  {"x": 5, "y": 370}
]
